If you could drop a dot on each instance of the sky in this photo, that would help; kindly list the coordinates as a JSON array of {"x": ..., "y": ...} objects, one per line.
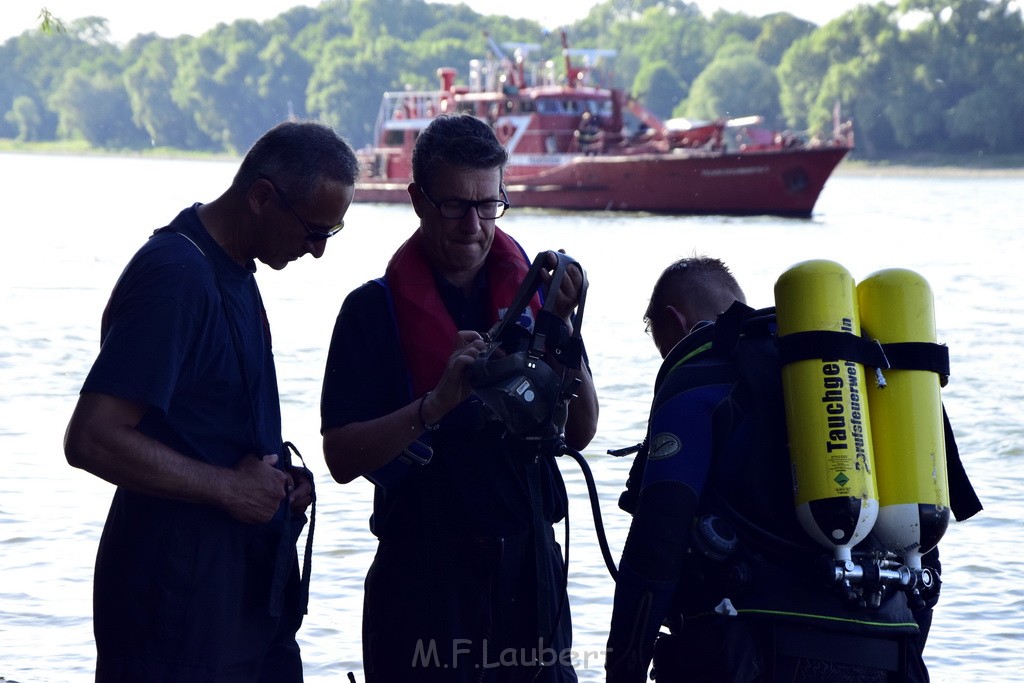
[{"x": 128, "y": 18}]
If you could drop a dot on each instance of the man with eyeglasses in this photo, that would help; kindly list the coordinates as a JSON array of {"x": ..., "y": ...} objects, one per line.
[
  {"x": 456, "y": 591},
  {"x": 197, "y": 576}
]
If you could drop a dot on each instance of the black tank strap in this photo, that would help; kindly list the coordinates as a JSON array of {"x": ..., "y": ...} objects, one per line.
[
  {"x": 728, "y": 328},
  {"x": 926, "y": 356},
  {"x": 963, "y": 500},
  {"x": 829, "y": 344}
]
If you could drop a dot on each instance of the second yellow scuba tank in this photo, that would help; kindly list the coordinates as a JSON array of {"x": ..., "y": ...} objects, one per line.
[{"x": 897, "y": 308}]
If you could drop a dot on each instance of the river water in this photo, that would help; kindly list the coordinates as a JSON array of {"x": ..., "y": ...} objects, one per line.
[{"x": 72, "y": 222}]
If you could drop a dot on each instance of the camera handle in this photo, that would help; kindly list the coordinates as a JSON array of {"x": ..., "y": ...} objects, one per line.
[
  {"x": 511, "y": 375},
  {"x": 526, "y": 291}
]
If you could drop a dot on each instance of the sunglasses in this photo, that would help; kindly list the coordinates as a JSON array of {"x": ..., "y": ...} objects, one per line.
[{"x": 313, "y": 234}]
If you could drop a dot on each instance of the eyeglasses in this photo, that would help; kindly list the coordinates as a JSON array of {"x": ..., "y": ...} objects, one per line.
[
  {"x": 487, "y": 210},
  {"x": 312, "y": 235}
]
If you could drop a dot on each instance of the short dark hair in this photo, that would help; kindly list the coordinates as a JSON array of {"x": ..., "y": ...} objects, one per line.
[
  {"x": 705, "y": 283},
  {"x": 299, "y": 156},
  {"x": 459, "y": 140}
]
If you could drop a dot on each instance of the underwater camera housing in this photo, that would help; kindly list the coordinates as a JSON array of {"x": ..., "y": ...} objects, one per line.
[{"x": 511, "y": 375}]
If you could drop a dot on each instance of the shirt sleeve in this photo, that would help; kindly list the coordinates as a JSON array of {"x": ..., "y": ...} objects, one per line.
[
  {"x": 364, "y": 377},
  {"x": 149, "y": 327},
  {"x": 676, "y": 470},
  {"x": 681, "y": 438}
]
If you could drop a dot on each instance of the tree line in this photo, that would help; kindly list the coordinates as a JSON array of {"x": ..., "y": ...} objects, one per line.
[{"x": 922, "y": 76}]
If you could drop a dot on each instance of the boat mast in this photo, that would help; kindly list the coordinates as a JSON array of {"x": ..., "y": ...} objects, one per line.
[
  {"x": 494, "y": 47},
  {"x": 570, "y": 73}
]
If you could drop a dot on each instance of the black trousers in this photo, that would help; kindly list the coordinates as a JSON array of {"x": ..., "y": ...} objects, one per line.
[
  {"x": 182, "y": 593},
  {"x": 465, "y": 610}
]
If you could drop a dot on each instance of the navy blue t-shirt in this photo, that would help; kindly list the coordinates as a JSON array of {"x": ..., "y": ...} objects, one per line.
[
  {"x": 167, "y": 343},
  {"x": 476, "y": 483},
  {"x": 181, "y": 589}
]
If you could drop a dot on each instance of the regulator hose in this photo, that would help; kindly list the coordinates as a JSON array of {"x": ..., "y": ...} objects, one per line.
[{"x": 595, "y": 506}]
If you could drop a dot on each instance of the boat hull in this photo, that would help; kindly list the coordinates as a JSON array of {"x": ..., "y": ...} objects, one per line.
[{"x": 772, "y": 182}]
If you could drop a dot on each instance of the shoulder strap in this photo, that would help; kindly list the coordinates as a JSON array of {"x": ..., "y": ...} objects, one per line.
[
  {"x": 963, "y": 500},
  {"x": 282, "y": 559}
]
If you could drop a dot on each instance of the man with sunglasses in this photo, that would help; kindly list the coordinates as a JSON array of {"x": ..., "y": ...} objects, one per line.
[
  {"x": 197, "y": 576},
  {"x": 467, "y": 583}
]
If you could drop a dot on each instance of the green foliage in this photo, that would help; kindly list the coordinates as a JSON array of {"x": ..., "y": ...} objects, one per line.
[
  {"x": 336, "y": 90},
  {"x": 658, "y": 85},
  {"x": 94, "y": 105},
  {"x": 25, "y": 117},
  {"x": 149, "y": 81},
  {"x": 726, "y": 26},
  {"x": 847, "y": 60},
  {"x": 926, "y": 75},
  {"x": 402, "y": 19},
  {"x": 979, "y": 117},
  {"x": 735, "y": 84},
  {"x": 778, "y": 32},
  {"x": 218, "y": 81},
  {"x": 48, "y": 23},
  {"x": 34, "y": 64},
  {"x": 644, "y": 32}
]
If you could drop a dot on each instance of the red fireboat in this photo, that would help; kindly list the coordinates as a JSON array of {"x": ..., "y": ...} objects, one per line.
[{"x": 580, "y": 147}]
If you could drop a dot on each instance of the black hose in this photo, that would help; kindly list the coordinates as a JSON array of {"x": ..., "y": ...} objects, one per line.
[{"x": 595, "y": 506}]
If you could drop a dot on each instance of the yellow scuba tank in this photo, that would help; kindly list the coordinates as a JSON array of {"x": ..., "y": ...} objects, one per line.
[
  {"x": 897, "y": 306},
  {"x": 827, "y": 411}
]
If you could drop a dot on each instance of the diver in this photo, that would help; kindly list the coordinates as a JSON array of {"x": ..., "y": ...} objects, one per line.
[{"x": 715, "y": 551}]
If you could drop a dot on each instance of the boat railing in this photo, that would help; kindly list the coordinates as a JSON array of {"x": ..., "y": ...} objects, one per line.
[
  {"x": 411, "y": 104},
  {"x": 413, "y": 108}
]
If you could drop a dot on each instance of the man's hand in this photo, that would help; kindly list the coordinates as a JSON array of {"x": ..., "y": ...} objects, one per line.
[
  {"x": 455, "y": 384},
  {"x": 568, "y": 295},
  {"x": 255, "y": 489},
  {"x": 300, "y": 489}
]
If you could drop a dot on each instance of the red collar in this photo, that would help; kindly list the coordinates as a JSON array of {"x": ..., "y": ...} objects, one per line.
[{"x": 426, "y": 331}]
